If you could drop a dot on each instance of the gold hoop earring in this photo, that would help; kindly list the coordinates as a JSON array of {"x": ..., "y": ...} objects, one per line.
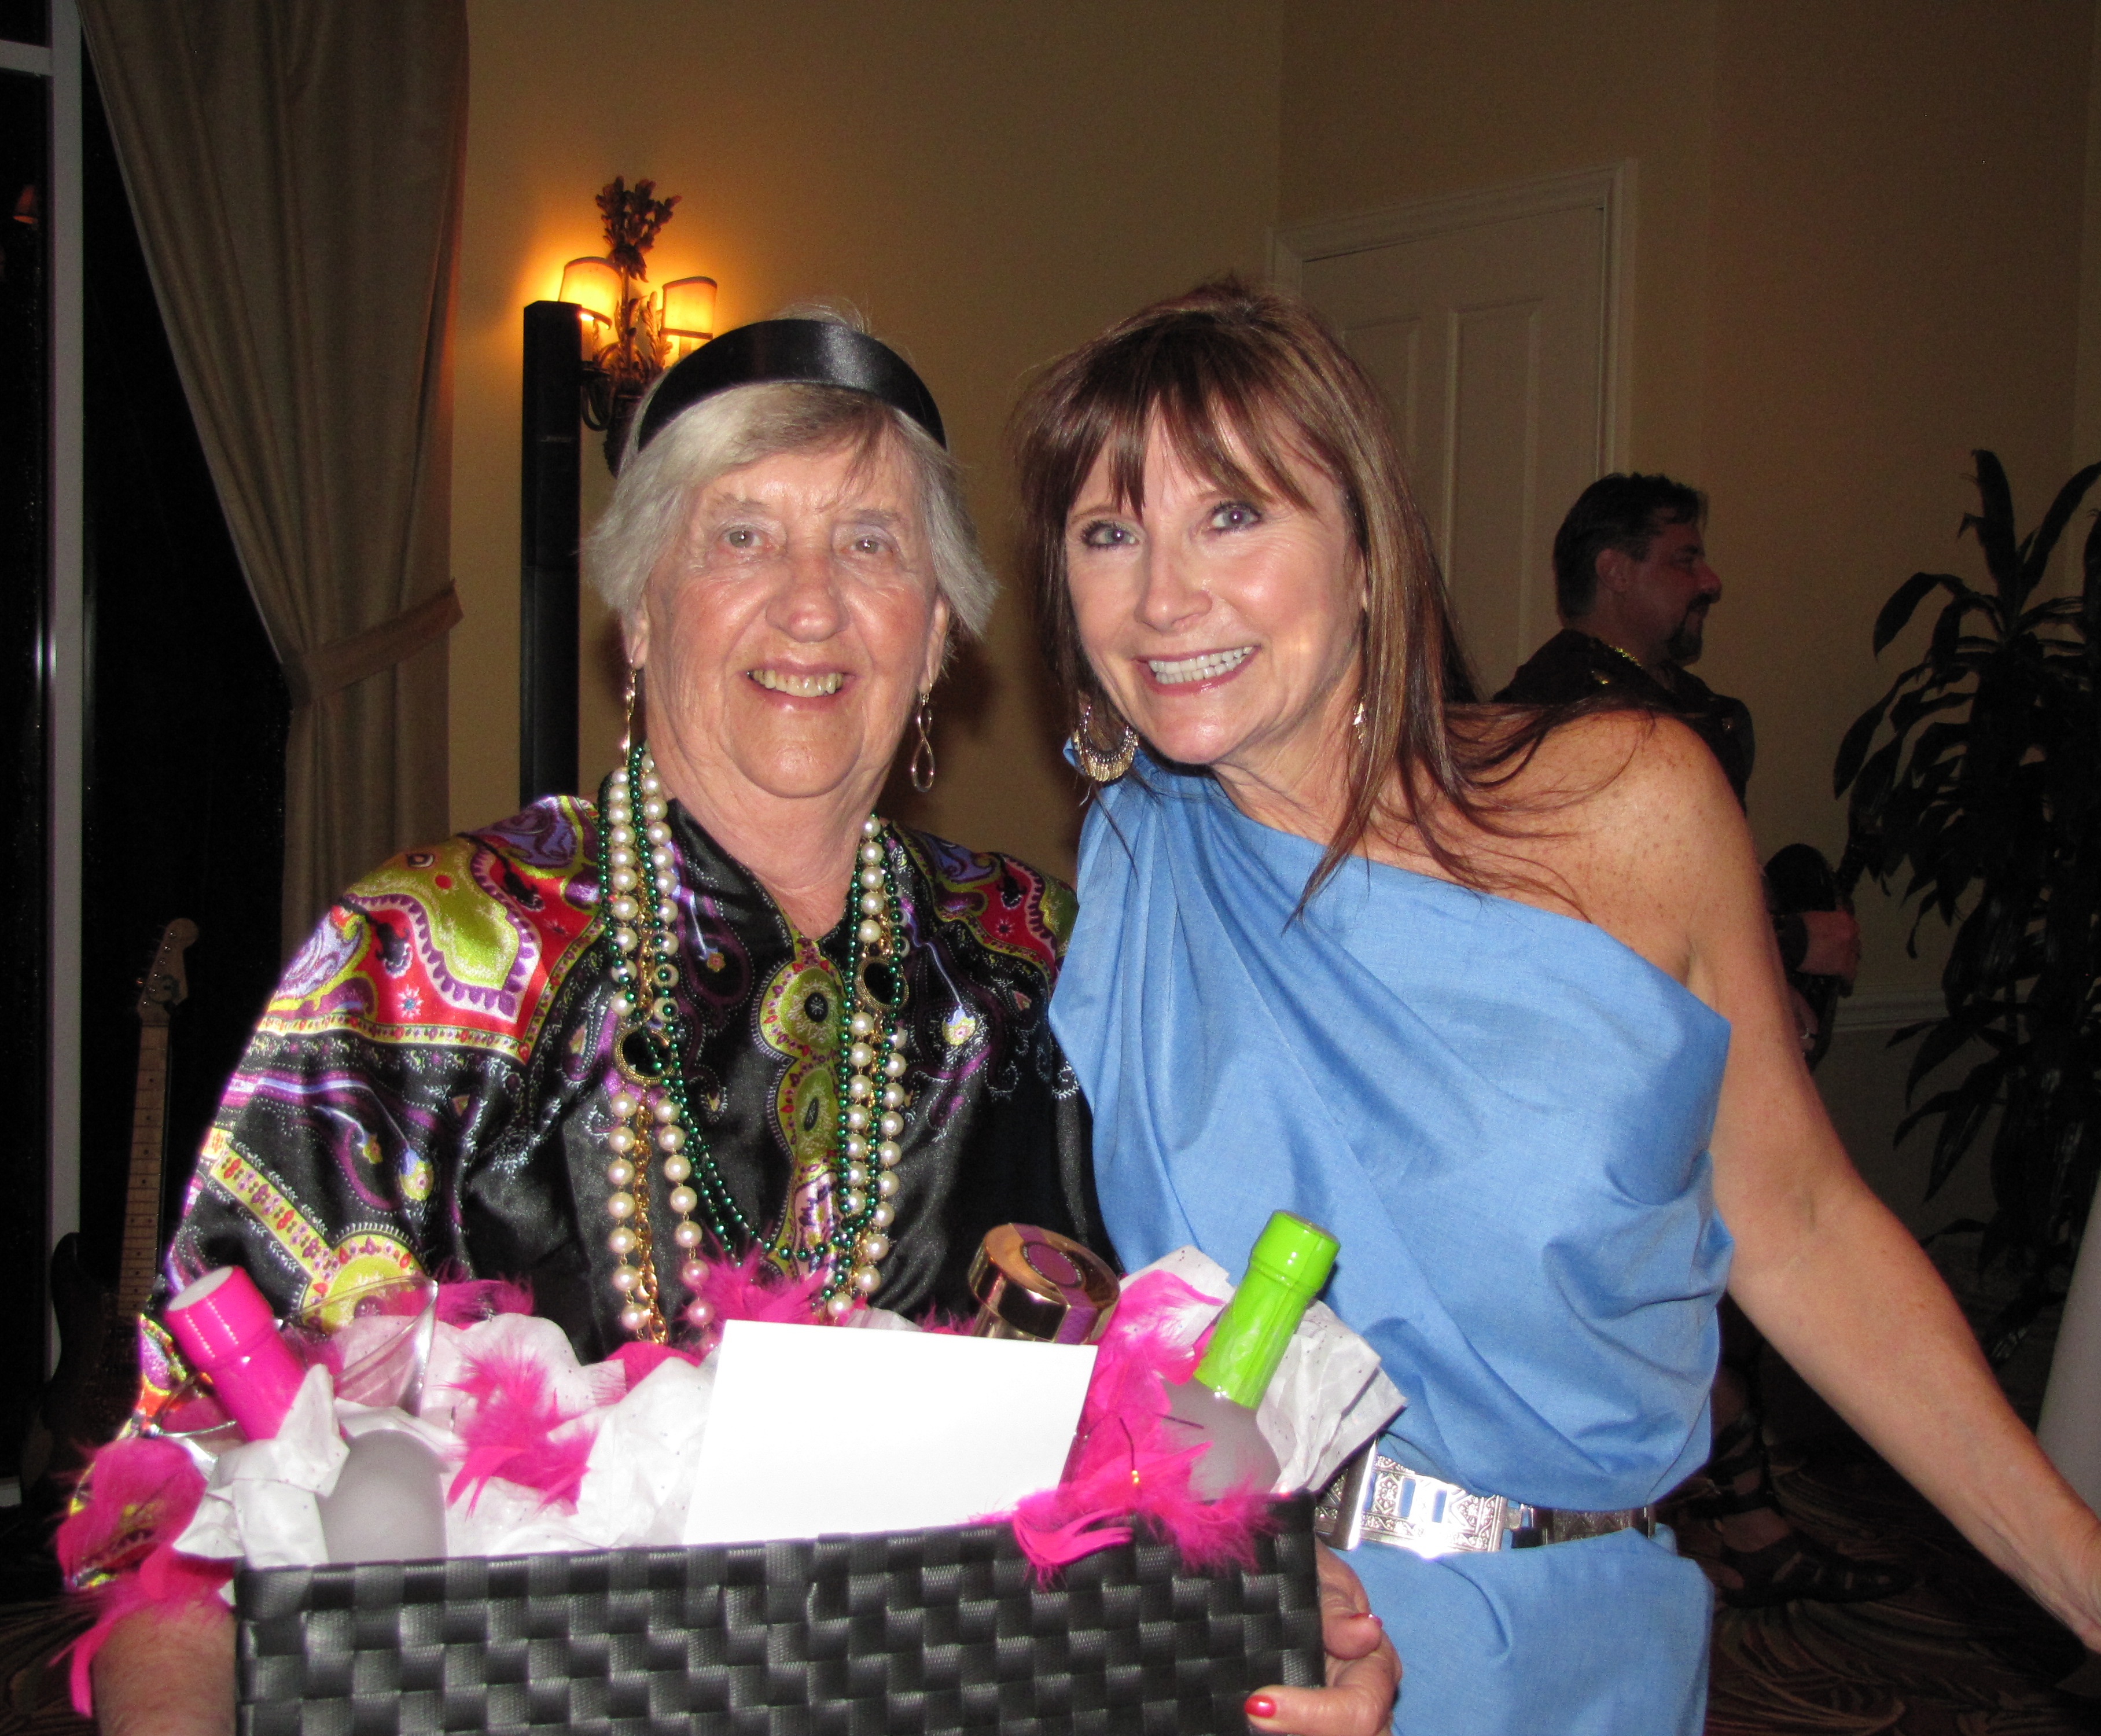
[
  {"x": 627, "y": 709},
  {"x": 1103, "y": 767},
  {"x": 923, "y": 780}
]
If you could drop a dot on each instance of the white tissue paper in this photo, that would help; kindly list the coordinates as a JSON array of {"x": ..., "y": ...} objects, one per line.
[
  {"x": 1329, "y": 1398},
  {"x": 1330, "y": 1395},
  {"x": 258, "y": 1500},
  {"x": 638, "y": 1479},
  {"x": 576, "y": 1389}
]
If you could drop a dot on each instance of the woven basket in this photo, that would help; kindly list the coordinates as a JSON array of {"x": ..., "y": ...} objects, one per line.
[{"x": 910, "y": 1631}]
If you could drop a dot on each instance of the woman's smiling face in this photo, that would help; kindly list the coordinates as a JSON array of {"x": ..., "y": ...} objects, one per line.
[
  {"x": 1224, "y": 627},
  {"x": 792, "y": 627}
]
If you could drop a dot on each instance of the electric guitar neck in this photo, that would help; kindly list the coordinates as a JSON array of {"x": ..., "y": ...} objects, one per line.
[{"x": 166, "y": 987}]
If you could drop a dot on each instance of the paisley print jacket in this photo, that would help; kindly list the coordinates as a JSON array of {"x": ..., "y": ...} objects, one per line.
[{"x": 427, "y": 1089}]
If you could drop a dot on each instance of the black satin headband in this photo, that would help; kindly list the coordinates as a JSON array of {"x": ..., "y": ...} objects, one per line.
[{"x": 802, "y": 353}]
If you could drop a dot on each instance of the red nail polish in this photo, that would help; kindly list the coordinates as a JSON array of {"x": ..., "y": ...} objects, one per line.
[{"x": 1261, "y": 1706}]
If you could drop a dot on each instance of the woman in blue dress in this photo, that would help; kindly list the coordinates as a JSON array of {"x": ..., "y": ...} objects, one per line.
[{"x": 1491, "y": 992}]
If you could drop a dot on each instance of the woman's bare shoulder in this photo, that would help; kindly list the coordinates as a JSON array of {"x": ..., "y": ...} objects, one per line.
[
  {"x": 1611, "y": 767},
  {"x": 1628, "y": 816}
]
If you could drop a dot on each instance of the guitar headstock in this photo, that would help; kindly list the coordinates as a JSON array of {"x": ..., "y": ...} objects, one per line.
[{"x": 166, "y": 984}]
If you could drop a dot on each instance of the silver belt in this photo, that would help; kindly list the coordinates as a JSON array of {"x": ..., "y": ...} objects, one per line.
[{"x": 1377, "y": 1499}]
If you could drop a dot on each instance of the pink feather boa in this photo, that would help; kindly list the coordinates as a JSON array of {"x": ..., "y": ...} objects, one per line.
[
  {"x": 511, "y": 1426},
  {"x": 140, "y": 1492},
  {"x": 1126, "y": 1471},
  {"x": 137, "y": 1499}
]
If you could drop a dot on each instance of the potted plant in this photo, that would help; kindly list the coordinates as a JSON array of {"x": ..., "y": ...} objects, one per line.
[{"x": 1986, "y": 787}]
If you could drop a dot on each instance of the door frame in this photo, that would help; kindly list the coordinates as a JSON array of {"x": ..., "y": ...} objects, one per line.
[{"x": 1608, "y": 190}]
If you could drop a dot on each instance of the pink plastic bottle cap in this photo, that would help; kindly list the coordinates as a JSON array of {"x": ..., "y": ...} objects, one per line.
[
  {"x": 219, "y": 1316},
  {"x": 226, "y": 1329}
]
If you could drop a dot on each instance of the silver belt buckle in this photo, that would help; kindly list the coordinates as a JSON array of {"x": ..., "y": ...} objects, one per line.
[
  {"x": 1378, "y": 1499},
  {"x": 1338, "y": 1515}
]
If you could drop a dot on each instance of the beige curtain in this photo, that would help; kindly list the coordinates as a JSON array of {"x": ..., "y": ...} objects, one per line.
[{"x": 295, "y": 167}]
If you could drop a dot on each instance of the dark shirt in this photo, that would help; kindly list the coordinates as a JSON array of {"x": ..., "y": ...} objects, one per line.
[
  {"x": 427, "y": 1089},
  {"x": 1573, "y": 665}
]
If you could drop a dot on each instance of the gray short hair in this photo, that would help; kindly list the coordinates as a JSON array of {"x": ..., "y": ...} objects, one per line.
[{"x": 748, "y": 424}]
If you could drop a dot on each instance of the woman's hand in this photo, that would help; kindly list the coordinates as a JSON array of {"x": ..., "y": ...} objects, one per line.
[
  {"x": 1834, "y": 945},
  {"x": 1364, "y": 1672}
]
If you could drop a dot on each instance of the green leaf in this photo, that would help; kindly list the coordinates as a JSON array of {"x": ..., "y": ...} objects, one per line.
[
  {"x": 1853, "y": 749},
  {"x": 1897, "y": 613},
  {"x": 2042, "y": 541},
  {"x": 1871, "y": 792},
  {"x": 1994, "y": 523},
  {"x": 1942, "y": 1041},
  {"x": 2089, "y": 614},
  {"x": 1982, "y": 803},
  {"x": 1958, "y": 1133},
  {"x": 1947, "y": 633}
]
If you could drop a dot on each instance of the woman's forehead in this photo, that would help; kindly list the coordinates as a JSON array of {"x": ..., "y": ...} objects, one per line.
[
  {"x": 1264, "y": 456},
  {"x": 852, "y": 476}
]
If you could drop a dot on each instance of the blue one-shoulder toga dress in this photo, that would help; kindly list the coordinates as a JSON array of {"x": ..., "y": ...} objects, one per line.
[{"x": 1503, "y": 1114}]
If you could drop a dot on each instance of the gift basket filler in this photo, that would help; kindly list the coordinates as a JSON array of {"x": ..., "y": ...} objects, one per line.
[{"x": 1085, "y": 1508}]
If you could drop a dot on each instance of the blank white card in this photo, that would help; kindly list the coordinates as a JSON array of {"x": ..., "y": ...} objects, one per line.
[{"x": 818, "y": 1430}]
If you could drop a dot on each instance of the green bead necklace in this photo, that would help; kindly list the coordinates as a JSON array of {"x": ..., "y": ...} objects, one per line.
[{"x": 638, "y": 877}]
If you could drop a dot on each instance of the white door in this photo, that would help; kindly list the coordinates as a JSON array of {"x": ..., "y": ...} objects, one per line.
[{"x": 1490, "y": 321}]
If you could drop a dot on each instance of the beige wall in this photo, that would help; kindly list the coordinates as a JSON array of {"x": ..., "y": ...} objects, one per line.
[
  {"x": 1896, "y": 215},
  {"x": 990, "y": 184},
  {"x": 1856, "y": 252},
  {"x": 1385, "y": 104}
]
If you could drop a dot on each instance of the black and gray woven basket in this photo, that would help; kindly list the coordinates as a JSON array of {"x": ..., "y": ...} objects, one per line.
[{"x": 911, "y": 1632}]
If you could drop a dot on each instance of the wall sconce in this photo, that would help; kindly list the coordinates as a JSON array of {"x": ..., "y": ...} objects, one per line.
[
  {"x": 591, "y": 354},
  {"x": 595, "y": 288},
  {"x": 631, "y": 335},
  {"x": 688, "y": 318}
]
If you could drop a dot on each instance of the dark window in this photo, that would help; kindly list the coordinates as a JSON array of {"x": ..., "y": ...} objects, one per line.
[
  {"x": 186, "y": 718},
  {"x": 25, "y": 21}
]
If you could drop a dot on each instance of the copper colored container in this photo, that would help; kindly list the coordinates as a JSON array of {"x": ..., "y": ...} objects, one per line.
[{"x": 1037, "y": 1284}]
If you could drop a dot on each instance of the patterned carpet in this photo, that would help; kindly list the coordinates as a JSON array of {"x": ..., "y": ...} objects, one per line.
[
  {"x": 33, "y": 1691},
  {"x": 1964, "y": 1653}
]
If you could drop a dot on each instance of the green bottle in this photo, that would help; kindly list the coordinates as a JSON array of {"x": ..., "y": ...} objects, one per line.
[{"x": 1286, "y": 1268}]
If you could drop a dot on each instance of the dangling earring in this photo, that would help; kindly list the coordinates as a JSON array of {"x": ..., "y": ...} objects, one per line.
[
  {"x": 923, "y": 755},
  {"x": 627, "y": 710},
  {"x": 1357, "y": 719},
  {"x": 1103, "y": 767}
]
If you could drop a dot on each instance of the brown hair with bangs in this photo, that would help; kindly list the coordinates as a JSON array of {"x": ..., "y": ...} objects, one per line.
[{"x": 1234, "y": 378}]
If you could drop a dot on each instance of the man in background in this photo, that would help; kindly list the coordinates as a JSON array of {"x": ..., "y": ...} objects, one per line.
[{"x": 1633, "y": 589}]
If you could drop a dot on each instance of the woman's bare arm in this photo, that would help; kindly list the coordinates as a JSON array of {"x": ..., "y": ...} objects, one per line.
[
  {"x": 167, "y": 1673},
  {"x": 1842, "y": 1290}
]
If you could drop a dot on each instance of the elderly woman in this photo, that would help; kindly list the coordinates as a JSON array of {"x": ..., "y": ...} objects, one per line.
[
  {"x": 1491, "y": 991},
  {"x": 732, "y": 1005}
]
